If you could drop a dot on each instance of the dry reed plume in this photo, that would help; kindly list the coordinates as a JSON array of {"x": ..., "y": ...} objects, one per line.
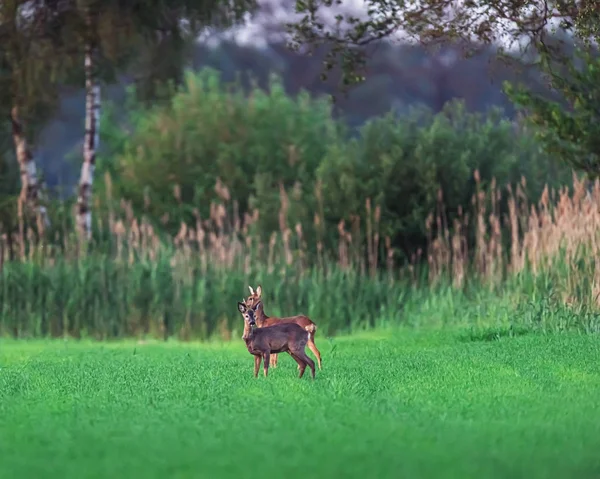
[
  {"x": 560, "y": 231},
  {"x": 562, "y": 226}
]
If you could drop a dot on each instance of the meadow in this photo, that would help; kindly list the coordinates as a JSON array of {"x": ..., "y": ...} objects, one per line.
[
  {"x": 392, "y": 403},
  {"x": 475, "y": 358}
]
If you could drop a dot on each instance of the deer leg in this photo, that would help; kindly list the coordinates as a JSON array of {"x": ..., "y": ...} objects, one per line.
[
  {"x": 301, "y": 363},
  {"x": 274, "y": 360},
  {"x": 313, "y": 347},
  {"x": 310, "y": 362},
  {"x": 257, "y": 359},
  {"x": 266, "y": 358},
  {"x": 294, "y": 359}
]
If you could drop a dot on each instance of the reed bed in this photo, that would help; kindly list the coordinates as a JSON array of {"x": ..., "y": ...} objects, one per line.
[
  {"x": 137, "y": 282},
  {"x": 551, "y": 246}
]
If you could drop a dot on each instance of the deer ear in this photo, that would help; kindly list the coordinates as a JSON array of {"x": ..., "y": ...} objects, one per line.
[
  {"x": 251, "y": 290},
  {"x": 241, "y": 307},
  {"x": 259, "y": 290},
  {"x": 257, "y": 306}
]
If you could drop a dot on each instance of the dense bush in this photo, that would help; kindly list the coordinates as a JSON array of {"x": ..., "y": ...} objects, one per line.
[
  {"x": 212, "y": 131},
  {"x": 402, "y": 163},
  {"x": 169, "y": 161}
]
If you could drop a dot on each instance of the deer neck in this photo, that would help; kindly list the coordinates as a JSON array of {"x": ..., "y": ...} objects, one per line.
[
  {"x": 248, "y": 333},
  {"x": 260, "y": 317}
]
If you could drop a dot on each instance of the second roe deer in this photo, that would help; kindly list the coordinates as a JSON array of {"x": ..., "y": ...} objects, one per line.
[
  {"x": 285, "y": 337},
  {"x": 262, "y": 320}
]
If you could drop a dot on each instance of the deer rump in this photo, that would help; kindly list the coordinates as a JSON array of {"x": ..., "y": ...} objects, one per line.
[{"x": 279, "y": 338}]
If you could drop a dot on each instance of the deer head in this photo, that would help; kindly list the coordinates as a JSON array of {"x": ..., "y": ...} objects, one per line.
[
  {"x": 254, "y": 297},
  {"x": 249, "y": 319}
]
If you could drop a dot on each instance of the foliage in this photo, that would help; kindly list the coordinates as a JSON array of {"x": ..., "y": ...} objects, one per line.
[
  {"x": 43, "y": 46},
  {"x": 402, "y": 163},
  {"x": 27, "y": 63},
  {"x": 505, "y": 24},
  {"x": 258, "y": 143},
  {"x": 139, "y": 284},
  {"x": 9, "y": 187},
  {"x": 251, "y": 144},
  {"x": 568, "y": 127},
  {"x": 127, "y": 32},
  {"x": 400, "y": 76}
]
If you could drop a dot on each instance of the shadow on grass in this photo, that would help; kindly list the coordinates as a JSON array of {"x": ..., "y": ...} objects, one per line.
[{"x": 488, "y": 334}]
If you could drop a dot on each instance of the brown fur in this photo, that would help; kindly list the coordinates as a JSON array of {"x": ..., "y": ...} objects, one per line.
[
  {"x": 262, "y": 320},
  {"x": 279, "y": 338}
]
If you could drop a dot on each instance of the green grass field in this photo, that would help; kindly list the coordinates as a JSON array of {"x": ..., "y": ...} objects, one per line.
[{"x": 386, "y": 405}]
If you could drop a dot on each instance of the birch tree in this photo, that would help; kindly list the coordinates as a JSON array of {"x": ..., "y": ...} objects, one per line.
[
  {"x": 25, "y": 67},
  {"x": 30, "y": 191},
  {"x": 92, "y": 124},
  {"x": 110, "y": 33}
]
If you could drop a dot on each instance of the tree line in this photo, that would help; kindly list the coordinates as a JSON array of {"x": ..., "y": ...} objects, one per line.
[
  {"x": 278, "y": 154},
  {"x": 50, "y": 45},
  {"x": 561, "y": 36}
]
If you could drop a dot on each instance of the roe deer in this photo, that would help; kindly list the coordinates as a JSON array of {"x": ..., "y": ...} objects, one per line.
[
  {"x": 262, "y": 320},
  {"x": 285, "y": 337}
]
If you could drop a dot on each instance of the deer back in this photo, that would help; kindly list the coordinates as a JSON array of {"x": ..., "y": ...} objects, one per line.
[{"x": 300, "y": 320}]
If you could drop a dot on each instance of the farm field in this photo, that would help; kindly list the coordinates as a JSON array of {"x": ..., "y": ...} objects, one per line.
[{"x": 388, "y": 404}]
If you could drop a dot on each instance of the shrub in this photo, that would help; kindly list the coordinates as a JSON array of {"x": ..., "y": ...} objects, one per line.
[
  {"x": 213, "y": 131},
  {"x": 287, "y": 158},
  {"x": 404, "y": 164}
]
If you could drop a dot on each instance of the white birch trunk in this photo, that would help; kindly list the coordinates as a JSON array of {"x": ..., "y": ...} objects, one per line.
[
  {"x": 90, "y": 146},
  {"x": 30, "y": 188}
]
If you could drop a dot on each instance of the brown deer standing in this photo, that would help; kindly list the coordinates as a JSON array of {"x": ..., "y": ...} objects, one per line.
[
  {"x": 262, "y": 320},
  {"x": 279, "y": 338}
]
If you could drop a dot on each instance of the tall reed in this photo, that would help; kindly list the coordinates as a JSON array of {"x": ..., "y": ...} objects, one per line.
[
  {"x": 555, "y": 242},
  {"x": 136, "y": 282}
]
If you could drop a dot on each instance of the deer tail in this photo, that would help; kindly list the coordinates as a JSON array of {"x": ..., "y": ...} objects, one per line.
[{"x": 311, "y": 329}]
